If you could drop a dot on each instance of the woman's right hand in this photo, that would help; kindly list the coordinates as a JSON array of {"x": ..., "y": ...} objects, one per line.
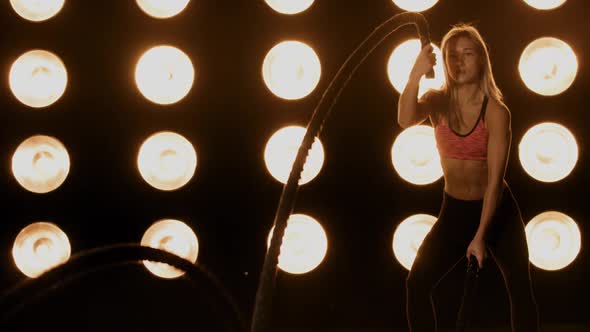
[{"x": 424, "y": 62}]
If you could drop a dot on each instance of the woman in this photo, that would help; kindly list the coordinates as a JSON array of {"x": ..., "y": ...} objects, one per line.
[{"x": 479, "y": 215}]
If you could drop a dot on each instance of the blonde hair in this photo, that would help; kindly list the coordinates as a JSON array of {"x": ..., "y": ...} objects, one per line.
[{"x": 487, "y": 84}]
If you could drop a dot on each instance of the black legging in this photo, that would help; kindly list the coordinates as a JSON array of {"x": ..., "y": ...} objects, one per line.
[{"x": 446, "y": 245}]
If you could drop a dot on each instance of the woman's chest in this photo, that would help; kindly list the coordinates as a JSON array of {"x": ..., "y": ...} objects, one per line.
[{"x": 461, "y": 123}]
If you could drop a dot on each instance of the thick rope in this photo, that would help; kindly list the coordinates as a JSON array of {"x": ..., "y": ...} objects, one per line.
[
  {"x": 262, "y": 318},
  {"x": 85, "y": 263}
]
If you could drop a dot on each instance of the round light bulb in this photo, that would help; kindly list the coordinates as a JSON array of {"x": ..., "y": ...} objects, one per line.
[
  {"x": 291, "y": 70},
  {"x": 415, "y": 156},
  {"x": 548, "y": 66},
  {"x": 167, "y": 161},
  {"x": 281, "y": 150},
  {"x": 38, "y": 78},
  {"x": 408, "y": 237},
  {"x": 400, "y": 65},
  {"x": 162, "y": 8},
  {"x": 289, "y": 6},
  {"x": 172, "y": 236},
  {"x": 40, "y": 247},
  {"x": 40, "y": 164},
  {"x": 164, "y": 75},
  {"x": 304, "y": 244},
  {"x": 548, "y": 152},
  {"x": 554, "y": 240},
  {"x": 415, "y": 5},
  {"x": 545, "y": 4},
  {"x": 36, "y": 10}
]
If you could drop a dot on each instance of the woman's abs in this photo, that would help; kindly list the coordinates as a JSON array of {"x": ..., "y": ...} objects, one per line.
[{"x": 465, "y": 179}]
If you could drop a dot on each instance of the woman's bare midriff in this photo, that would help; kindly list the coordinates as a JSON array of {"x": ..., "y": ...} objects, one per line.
[{"x": 465, "y": 179}]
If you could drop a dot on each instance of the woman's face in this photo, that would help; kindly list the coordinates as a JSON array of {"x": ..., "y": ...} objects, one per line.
[{"x": 463, "y": 62}]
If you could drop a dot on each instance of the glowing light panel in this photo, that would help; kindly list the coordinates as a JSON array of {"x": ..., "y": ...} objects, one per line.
[
  {"x": 554, "y": 240},
  {"x": 167, "y": 161},
  {"x": 281, "y": 151},
  {"x": 36, "y": 10},
  {"x": 415, "y": 5},
  {"x": 548, "y": 66},
  {"x": 544, "y": 4},
  {"x": 162, "y": 8},
  {"x": 408, "y": 237},
  {"x": 291, "y": 70},
  {"x": 402, "y": 60},
  {"x": 415, "y": 156},
  {"x": 548, "y": 152},
  {"x": 40, "y": 247},
  {"x": 289, "y": 6},
  {"x": 304, "y": 244},
  {"x": 40, "y": 164},
  {"x": 172, "y": 236},
  {"x": 164, "y": 75},
  {"x": 38, "y": 78}
]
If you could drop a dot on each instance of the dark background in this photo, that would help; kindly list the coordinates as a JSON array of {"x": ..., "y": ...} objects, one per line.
[{"x": 229, "y": 114}]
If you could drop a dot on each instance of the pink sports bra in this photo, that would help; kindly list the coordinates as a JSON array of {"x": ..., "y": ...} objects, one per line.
[{"x": 472, "y": 146}]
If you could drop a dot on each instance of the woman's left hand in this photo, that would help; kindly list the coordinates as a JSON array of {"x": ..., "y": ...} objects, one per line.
[{"x": 477, "y": 248}]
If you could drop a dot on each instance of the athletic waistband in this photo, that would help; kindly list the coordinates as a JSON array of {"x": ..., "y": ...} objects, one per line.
[{"x": 474, "y": 202}]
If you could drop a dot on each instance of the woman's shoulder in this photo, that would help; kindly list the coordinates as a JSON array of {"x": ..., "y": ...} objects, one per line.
[
  {"x": 439, "y": 100},
  {"x": 497, "y": 112},
  {"x": 436, "y": 99},
  {"x": 496, "y": 107},
  {"x": 433, "y": 95}
]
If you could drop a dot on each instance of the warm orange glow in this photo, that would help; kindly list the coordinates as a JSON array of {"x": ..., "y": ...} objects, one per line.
[
  {"x": 289, "y": 6},
  {"x": 164, "y": 75},
  {"x": 415, "y": 5},
  {"x": 162, "y": 8},
  {"x": 554, "y": 240},
  {"x": 408, "y": 237},
  {"x": 35, "y": 10},
  {"x": 39, "y": 247},
  {"x": 173, "y": 236},
  {"x": 548, "y": 66},
  {"x": 167, "y": 161},
  {"x": 415, "y": 156},
  {"x": 304, "y": 244},
  {"x": 38, "y": 78},
  {"x": 40, "y": 164},
  {"x": 548, "y": 152},
  {"x": 400, "y": 65},
  {"x": 545, "y": 4},
  {"x": 291, "y": 70},
  {"x": 281, "y": 151}
]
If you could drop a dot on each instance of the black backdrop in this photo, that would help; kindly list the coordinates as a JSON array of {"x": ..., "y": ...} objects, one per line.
[{"x": 229, "y": 115}]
